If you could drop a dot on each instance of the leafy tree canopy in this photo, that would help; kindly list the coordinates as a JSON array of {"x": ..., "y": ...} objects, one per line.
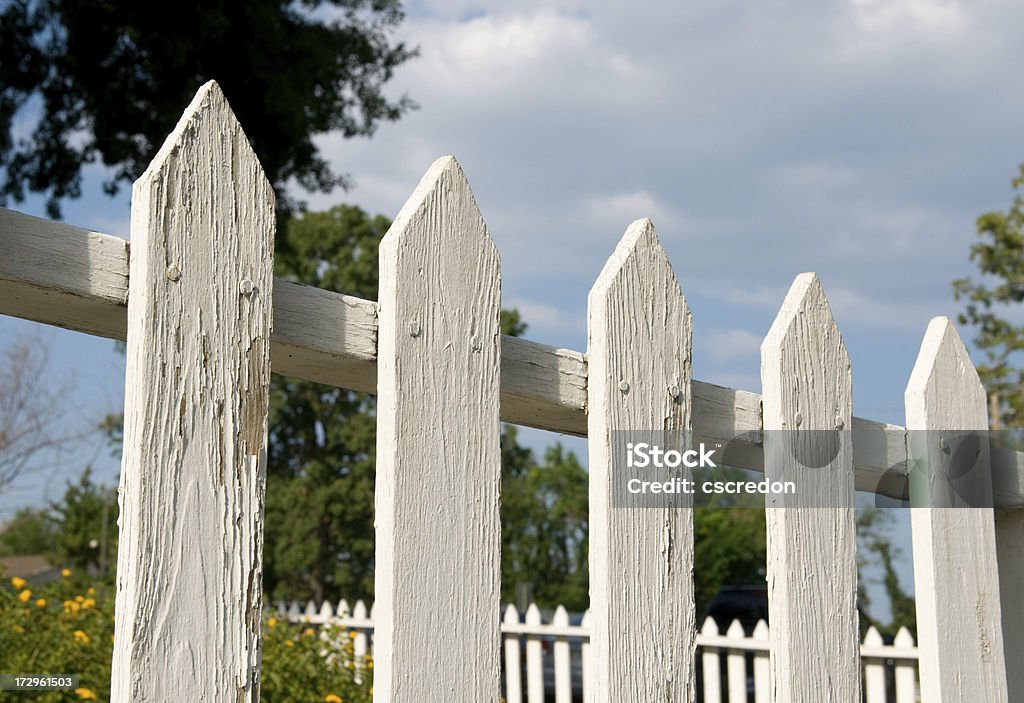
[
  {"x": 1000, "y": 259},
  {"x": 110, "y": 79}
]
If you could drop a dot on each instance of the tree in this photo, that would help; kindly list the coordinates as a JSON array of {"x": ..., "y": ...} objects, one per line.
[
  {"x": 1000, "y": 259},
  {"x": 34, "y": 427},
  {"x": 111, "y": 78},
  {"x": 30, "y": 531},
  {"x": 85, "y": 528}
]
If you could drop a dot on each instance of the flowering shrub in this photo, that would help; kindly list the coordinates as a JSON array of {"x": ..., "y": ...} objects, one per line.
[{"x": 67, "y": 627}]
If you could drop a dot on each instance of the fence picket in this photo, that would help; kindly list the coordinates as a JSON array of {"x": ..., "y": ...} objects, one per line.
[
  {"x": 762, "y": 666},
  {"x": 438, "y": 459},
  {"x": 563, "y": 665},
  {"x": 736, "y": 664},
  {"x": 534, "y": 659},
  {"x": 513, "y": 663},
  {"x": 343, "y": 609},
  {"x": 587, "y": 667},
  {"x": 359, "y": 640},
  {"x": 961, "y": 644},
  {"x": 812, "y": 563},
  {"x": 710, "y": 663},
  {"x": 311, "y": 610},
  {"x": 874, "y": 671},
  {"x": 906, "y": 669},
  {"x": 641, "y": 559},
  {"x": 195, "y": 423}
]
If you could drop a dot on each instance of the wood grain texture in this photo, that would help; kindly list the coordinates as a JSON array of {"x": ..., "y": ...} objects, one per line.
[
  {"x": 69, "y": 277},
  {"x": 189, "y": 592},
  {"x": 641, "y": 558},
  {"x": 812, "y": 561},
  {"x": 956, "y": 577},
  {"x": 438, "y": 458}
]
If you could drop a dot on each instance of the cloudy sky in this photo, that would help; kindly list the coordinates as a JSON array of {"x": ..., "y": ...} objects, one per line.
[{"x": 856, "y": 138}]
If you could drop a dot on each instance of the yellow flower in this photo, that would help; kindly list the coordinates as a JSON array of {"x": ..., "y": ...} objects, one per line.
[
  {"x": 331, "y": 698},
  {"x": 308, "y": 632},
  {"x": 71, "y": 606},
  {"x": 289, "y": 643},
  {"x": 91, "y": 591},
  {"x": 25, "y": 595},
  {"x": 88, "y": 603},
  {"x": 79, "y": 599},
  {"x": 85, "y": 693},
  {"x": 271, "y": 622},
  {"x": 41, "y": 603},
  {"x": 65, "y": 573},
  {"x": 19, "y": 629},
  {"x": 81, "y": 637},
  {"x": 17, "y": 582}
]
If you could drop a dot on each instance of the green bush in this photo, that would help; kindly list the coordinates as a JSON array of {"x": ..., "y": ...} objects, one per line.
[{"x": 67, "y": 627}]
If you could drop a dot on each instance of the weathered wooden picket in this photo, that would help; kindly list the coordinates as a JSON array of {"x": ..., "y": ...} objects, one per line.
[
  {"x": 552, "y": 648},
  {"x": 206, "y": 323}
]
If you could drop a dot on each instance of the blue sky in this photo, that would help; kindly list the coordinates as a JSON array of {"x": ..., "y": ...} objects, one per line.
[{"x": 856, "y": 138}]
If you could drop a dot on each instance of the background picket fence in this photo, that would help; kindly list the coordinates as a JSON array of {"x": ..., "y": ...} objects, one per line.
[
  {"x": 540, "y": 657},
  {"x": 206, "y": 322}
]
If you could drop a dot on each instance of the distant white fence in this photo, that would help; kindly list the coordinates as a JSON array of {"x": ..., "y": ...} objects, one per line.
[
  {"x": 206, "y": 322},
  {"x": 552, "y": 658}
]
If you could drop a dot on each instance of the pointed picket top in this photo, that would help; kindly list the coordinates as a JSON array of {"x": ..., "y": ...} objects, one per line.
[
  {"x": 281, "y": 607},
  {"x": 873, "y": 638},
  {"x": 311, "y": 609},
  {"x": 760, "y": 630},
  {"x": 804, "y": 325},
  {"x": 903, "y": 639},
  {"x": 533, "y": 615},
  {"x": 511, "y": 615},
  {"x": 359, "y": 612},
  {"x": 294, "y": 611},
  {"x": 561, "y": 617},
  {"x": 639, "y": 255},
  {"x": 736, "y": 631},
  {"x": 208, "y": 115},
  {"x": 326, "y": 611},
  {"x": 944, "y": 391},
  {"x": 710, "y": 628},
  {"x": 343, "y": 609},
  {"x": 443, "y": 193}
]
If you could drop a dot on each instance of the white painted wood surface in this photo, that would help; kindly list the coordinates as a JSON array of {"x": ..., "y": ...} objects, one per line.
[
  {"x": 513, "y": 661},
  {"x": 78, "y": 280},
  {"x": 438, "y": 459},
  {"x": 812, "y": 562},
  {"x": 956, "y": 577},
  {"x": 189, "y": 590},
  {"x": 710, "y": 663},
  {"x": 762, "y": 665},
  {"x": 736, "y": 665},
  {"x": 874, "y": 670},
  {"x": 534, "y": 659},
  {"x": 563, "y": 666},
  {"x": 587, "y": 660},
  {"x": 641, "y": 558},
  {"x": 1009, "y": 524},
  {"x": 905, "y": 669}
]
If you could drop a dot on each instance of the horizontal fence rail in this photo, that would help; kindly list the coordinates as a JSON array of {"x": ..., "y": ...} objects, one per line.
[
  {"x": 732, "y": 665},
  {"x": 77, "y": 279}
]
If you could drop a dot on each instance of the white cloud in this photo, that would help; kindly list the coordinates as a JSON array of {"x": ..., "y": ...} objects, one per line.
[
  {"x": 726, "y": 344},
  {"x": 939, "y": 16}
]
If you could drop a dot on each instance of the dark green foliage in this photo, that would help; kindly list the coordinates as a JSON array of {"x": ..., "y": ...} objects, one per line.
[
  {"x": 30, "y": 531},
  {"x": 543, "y": 525},
  {"x": 1000, "y": 259},
  {"x": 110, "y": 80},
  {"x": 85, "y": 526}
]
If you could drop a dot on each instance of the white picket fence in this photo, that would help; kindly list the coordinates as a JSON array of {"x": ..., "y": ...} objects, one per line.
[
  {"x": 206, "y": 321},
  {"x": 551, "y": 648}
]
